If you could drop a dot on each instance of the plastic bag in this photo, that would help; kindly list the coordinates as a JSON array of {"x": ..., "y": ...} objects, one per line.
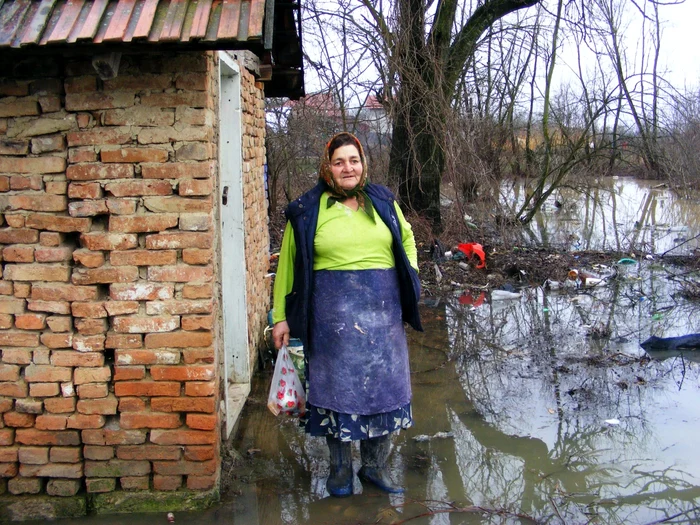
[{"x": 286, "y": 391}]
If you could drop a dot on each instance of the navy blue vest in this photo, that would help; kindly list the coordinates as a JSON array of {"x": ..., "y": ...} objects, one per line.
[{"x": 302, "y": 214}]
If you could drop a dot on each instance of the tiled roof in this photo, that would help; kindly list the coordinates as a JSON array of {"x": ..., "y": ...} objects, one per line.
[{"x": 25, "y": 23}]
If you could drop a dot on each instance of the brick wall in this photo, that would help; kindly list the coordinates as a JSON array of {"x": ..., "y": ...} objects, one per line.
[{"x": 109, "y": 296}]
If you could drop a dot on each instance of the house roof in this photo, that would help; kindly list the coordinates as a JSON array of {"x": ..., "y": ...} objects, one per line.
[
  {"x": 269, "y": 28},
  {"x": 75, "y": 22}
]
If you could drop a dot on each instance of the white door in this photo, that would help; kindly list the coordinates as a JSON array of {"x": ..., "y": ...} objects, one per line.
[{"x": 232, "y": 242}]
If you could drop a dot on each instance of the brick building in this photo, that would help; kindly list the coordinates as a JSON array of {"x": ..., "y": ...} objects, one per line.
[{"x": 133, "y": 243}]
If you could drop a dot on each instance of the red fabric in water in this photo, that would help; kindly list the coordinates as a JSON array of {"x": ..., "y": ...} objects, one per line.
[{"x": 473, "y": 248}]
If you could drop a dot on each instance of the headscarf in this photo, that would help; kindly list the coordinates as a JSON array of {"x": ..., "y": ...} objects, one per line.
[{"x": 339, "y": 194}]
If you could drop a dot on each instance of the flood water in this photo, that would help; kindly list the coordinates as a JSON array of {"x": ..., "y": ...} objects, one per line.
[{"x": 538, "y": 409}]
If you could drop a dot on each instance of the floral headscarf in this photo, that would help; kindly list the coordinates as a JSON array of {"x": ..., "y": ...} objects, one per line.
[{"x": 338, "y": 194}]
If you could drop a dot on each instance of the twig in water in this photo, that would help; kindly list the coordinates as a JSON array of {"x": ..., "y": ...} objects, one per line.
[
  {"x": 669, "y": 518},
  {"x": 681, "y": 244}
]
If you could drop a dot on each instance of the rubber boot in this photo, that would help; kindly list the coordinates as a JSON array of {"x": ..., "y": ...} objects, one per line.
[
  {"x": 374, "y": 453},
  {"x": 339, "y": 482}
]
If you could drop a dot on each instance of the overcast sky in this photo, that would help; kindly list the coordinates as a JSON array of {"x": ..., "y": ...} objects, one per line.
[{"x": 681, "y": 42}]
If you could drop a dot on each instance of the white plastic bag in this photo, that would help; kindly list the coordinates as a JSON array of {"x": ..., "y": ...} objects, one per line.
[{"x": 286, "y": 391}]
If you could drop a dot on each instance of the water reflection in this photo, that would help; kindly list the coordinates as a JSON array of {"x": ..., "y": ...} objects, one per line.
[{"x": 614, "y": 213}]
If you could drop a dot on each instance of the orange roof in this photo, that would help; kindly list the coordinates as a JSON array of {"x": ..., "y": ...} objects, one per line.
[{"x": 72, "y": 22}]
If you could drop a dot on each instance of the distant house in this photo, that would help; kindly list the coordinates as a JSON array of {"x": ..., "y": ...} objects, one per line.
[{"x": 133, "y": 243}]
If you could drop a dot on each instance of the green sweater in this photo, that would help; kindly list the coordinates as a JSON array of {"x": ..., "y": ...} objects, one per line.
[{"x": 344, "y": 240}]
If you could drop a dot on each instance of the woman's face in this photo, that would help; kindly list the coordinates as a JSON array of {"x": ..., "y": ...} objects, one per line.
[{"x": 346, "y": 167}]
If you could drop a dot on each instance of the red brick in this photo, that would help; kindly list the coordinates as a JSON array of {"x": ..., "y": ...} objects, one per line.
[
  {"x": 100, "y": 485},
  {"x": 34, "y": 455},
  {"x": 139, "y": 116},
  {"x": 56, "y": 223},
  {"x": 15, "y": 389},
  {"x": 179, "y": 170},
  {"x": 143, "y": 257},
  {"x": 134, "y": 155},
  {"x": 121, "y": 274},
  {"x": 5, "y": 406},
  {"x": 71, "y": 358},
  {"x": 147, "y": 357},
  {"x": 88, "y": 258},
  {"x": 91, "y": 326},
  {"x": 8, "y": 470},
  {"x": 43, "y": 389},
  {"x": 184, "y": 404},
  {"x": 201, "y": 482},
  {"x": 121, "y": 206},
  {"x": 63, "y": 292},
  {"x": 99, "y": 136},
  {"x": 201, "y": 421},
  {"x": 193, "y": 81},
  {"x": 174, "y": 468},
  {"x": 60, "y": 405},
  {"x": 53, "y": 470},
  {"x": 142, "y": 223},
  {"x": 63, "y": 487},
  {"x": 200, "y": 389},
  {"x": 99, "y": 171},
  {"x": 88, "y": 343},
  {"x": 18, "y": 253},
  {"x": 38, "y": 203},
  {"x": 18, "y": 236},
  {"x": 16, "y": 356},
  {"x": 182, "y": 437},
  {"x": 121, "y": 307},
  {"x": 98, "y": 100},
  {"x": 13, "y": 88},
  {"x": 82, "y": 421},
  {"x": 123, "y": 340},
  {"x": 88, "y": 208},
  {"x": 11, "y": 305},
  {"x": 51, "y": 422},
  {"x": 196, "y": 256},
  {"x": 146, "y": 388},
  {"x": 179, "y": 340},
  {"x": 54, "y": 307},
  {"x": 77, "y": 155},
  {"x": 62, "y": 340},
  {"x": 116, "y": 468},
  {"x": 139, "y": 188},
  {"x": 40, "y": 356},
  {"x": 129, "y": 373},
  {"x": 180, "y": 273},
  {"x": 92, "y": 309},
  {"x": 167, "y": 482},
  {"x": 30, "y": 436},
  {"x": 30, "y": 321},
  {"x": 56, "y": 187},
  {"x": 92, "y": 375},
  {"x": 10, "y": 454},
  {"x": 7, "y": 437},
  {"x": 22, "y": 290},
  {"x": 93, "y": 391},
  {"x": 9, "y": 372},
  {"x": 81, "y": 84},
  {"x": 179, "y": 307},
  {"x": 59, "y": 323},
  {"x": 176, "y": 204},
  {"x": 65, "y": 454},
  {"x": 46, "y": 374},
  {"x": 98, "y": 453},
  {"x": 36, "y": 272},
  {"x": 104, "y": 406},
  {"x": 200, "y": 452},
  {"x": 141, "y": 291},
  {"x": 131, "y": 404},
  {"x": 18, "y": 339},
  {"x": 17, "y": 419},
  {"x": 149, "y": 452},
  {"x": 50, "y": 238},
  {"x": 192, "y": 356},
  {"x": 197, "y": 322},
  {"x": 84, "y": 190},
  {"x": 176, "y": 241},
  {"x": 37, "y": 165},
  {"x": 26, "y": 182},
  {"x": 182, "y": 373},
  {"x": 5, "y": 321},
  {"x": 135, "y": 482},
  {"x": 129, "y": 420},
  {"x": 139, "y": 82},
  {"x": 97, "y": 241},
  {"x": 195, "y": 187},
  {"x": 147, "y": 325},
  {"x": 53, "y": 254},
  {"x": 197, "y": 99},
  {"x": 15, "y": 220}
]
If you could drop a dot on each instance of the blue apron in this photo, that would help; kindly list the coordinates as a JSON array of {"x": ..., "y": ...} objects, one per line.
[{"x": 358, "y": 356}]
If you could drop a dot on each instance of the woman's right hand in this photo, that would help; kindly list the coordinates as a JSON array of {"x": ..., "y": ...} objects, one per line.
[{"x": 280, "y": 334}]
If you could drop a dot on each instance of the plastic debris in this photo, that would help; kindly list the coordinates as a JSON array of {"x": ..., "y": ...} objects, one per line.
[
  {"x": 612, "y": 422},
  {"x": 626, "y": 261},
  {"x": 468, "y": 299},
  {"x": 473, "y": 248},
  {"x": 438, "y": 435},
  {"x": 171, "y": 517},
  {"x": 500, "y": 295}
]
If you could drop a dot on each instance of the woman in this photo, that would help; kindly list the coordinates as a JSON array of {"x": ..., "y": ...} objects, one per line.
[{"x": 346, "y": 282}]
